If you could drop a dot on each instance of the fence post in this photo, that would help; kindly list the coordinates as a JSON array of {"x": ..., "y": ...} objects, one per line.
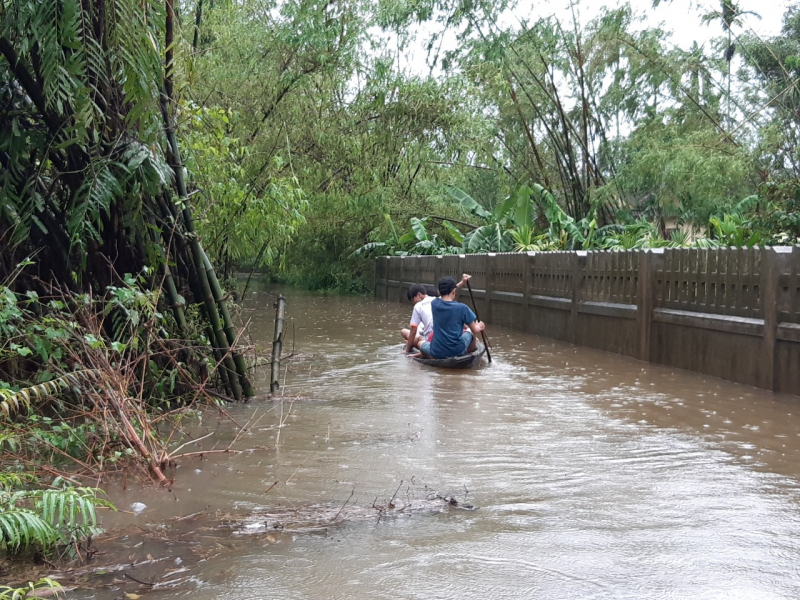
[
  {"x": 398, "y": 271},
  {"x": 382, "y": 268},
  {"x": 462, "y": 268},
  {"x": 490, "y": 264},
  {"x": 577, "y": 268},
  {"x": 403, "y": 277},
  {"x": 644, "y": 302},
  {"x": 774, "y": 262},
  {"x": 437, "y": 269},
  {"x": 387, "y": 275},
  {"x": 655, "y": 264},
  {"x": 527, "y": 289}
]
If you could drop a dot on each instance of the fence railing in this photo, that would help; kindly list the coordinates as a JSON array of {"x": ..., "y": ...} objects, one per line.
[{"x": 730, "y": 312}]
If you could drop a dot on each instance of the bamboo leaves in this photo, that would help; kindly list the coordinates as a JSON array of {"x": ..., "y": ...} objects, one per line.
[{"x": 11, "y": 402}]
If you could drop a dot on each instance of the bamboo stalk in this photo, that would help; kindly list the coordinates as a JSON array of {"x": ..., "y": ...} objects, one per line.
[
  {"x": 277, "y": 342},
  {"x": 175, "y": 301},
  {"x": 230, "y": 331},
  {"x": 219, "y": 339}
]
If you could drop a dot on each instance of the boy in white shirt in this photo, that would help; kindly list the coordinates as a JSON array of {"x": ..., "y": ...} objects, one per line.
[
  {"x": 421, "y": 328},
  {"x": 421, "y": 317}
]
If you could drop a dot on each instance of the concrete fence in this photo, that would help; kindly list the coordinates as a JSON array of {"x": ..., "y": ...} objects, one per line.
[{"x": 732, "y": 313}]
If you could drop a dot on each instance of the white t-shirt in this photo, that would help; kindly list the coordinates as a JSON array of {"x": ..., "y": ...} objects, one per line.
[{"x": 422, "y": 316}]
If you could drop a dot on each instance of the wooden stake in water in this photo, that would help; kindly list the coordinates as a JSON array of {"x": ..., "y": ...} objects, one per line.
[{"x": 277, "y": 341}]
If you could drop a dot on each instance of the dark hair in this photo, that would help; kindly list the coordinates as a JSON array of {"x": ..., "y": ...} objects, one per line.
[
  {"x": 446, "y": 285},
  {"x": 415, "y": 289},
  {"x": 432, "y": 291}
]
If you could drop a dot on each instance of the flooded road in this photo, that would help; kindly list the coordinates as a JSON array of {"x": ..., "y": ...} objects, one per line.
[{"x": 595, "y": 476}]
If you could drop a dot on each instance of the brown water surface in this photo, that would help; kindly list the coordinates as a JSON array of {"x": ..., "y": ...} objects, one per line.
[{"x": 596, "y": 476}]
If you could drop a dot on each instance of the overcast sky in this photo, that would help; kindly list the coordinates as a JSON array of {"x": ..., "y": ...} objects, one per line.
[{"x": 681, "y": 17}]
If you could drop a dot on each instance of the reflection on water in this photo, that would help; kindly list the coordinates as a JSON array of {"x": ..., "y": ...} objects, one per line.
[{"x": 596, "y": 476}]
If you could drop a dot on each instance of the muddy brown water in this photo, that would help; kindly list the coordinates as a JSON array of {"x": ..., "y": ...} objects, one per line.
[{"x": 595, "y": 476}]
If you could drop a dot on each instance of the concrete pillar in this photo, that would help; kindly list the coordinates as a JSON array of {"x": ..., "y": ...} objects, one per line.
[
  {"x": 650, "y": 261},
  {"x": 401, "y": 271},
  {"x": 774, "y": 262},
  {"x": 387, "y": 273},
  {"x": 462, "y": 268},
  {"x": 527, "y": 289},
  {"x": 578, "y": 265},
  {"x": 490, "y": 259},
  {"x": 437, "y": 269}
]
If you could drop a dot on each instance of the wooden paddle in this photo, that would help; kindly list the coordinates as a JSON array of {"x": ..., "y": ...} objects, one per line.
[{"x": 475, "y": 308}]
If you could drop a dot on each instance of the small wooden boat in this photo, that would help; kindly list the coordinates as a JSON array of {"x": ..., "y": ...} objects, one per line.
[{"x": 465, "y": 361}]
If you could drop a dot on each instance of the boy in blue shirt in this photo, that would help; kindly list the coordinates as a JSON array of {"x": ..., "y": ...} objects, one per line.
[{"x": 449, "y": 318}]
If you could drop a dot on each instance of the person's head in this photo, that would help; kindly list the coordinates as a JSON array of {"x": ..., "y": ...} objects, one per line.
[
  {"x": 416, "y": 292},
  {"x": 432, "y": 291},
  {"x": 446, "y": 286}
]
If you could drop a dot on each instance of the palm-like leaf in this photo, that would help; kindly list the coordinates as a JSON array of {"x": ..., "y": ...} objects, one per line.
[
  {"x": 48, "y": 517},
  {"x": 467, "y": 202},
  {"x": 369, "y": 247},
  {"x": 21, "y": 527},
  {"x": 418, "y": 227},
  {"x": 454, "y": 232}
]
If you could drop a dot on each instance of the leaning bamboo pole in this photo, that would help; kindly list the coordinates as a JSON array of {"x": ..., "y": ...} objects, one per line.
[
  {"x": 218, "y": 338},
  {"x": 230, "y": 332},
  {"x": 176, "y": 303},
  {"x": 183, "y": 256}
]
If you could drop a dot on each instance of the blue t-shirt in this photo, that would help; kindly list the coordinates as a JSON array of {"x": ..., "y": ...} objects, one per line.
[{"x": 449, "y": 319}]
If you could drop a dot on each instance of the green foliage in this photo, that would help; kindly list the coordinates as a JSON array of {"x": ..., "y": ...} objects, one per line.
[
  {"x": 693, "y": 175},
  {"x": 734, "y": 230},
  {"x": 32, "y": 590},
  {"x": 48, "y": 518},
  {"x": 40, "y": 334},
  {"x": 245, "y": 220},
  {"x": 11, "y": 402},
  {"x": 78, "y": 160},
  {"x": 67, "y": 358},
  {"x": 513, "y": 226},
  {"x": 418, "y": 240}
]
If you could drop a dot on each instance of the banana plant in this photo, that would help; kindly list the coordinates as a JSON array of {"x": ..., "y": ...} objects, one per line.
[
  {"x": 734, "y": 230},
  {"x": 415, "y": 241},
  {"x": 511, "y": 225}
]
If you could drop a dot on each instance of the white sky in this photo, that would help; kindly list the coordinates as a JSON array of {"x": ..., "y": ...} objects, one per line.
[{"x": 681, "y": 17}]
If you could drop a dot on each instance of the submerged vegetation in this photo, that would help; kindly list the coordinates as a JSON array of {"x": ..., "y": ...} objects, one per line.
[{"x": 150, "y": 151}]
